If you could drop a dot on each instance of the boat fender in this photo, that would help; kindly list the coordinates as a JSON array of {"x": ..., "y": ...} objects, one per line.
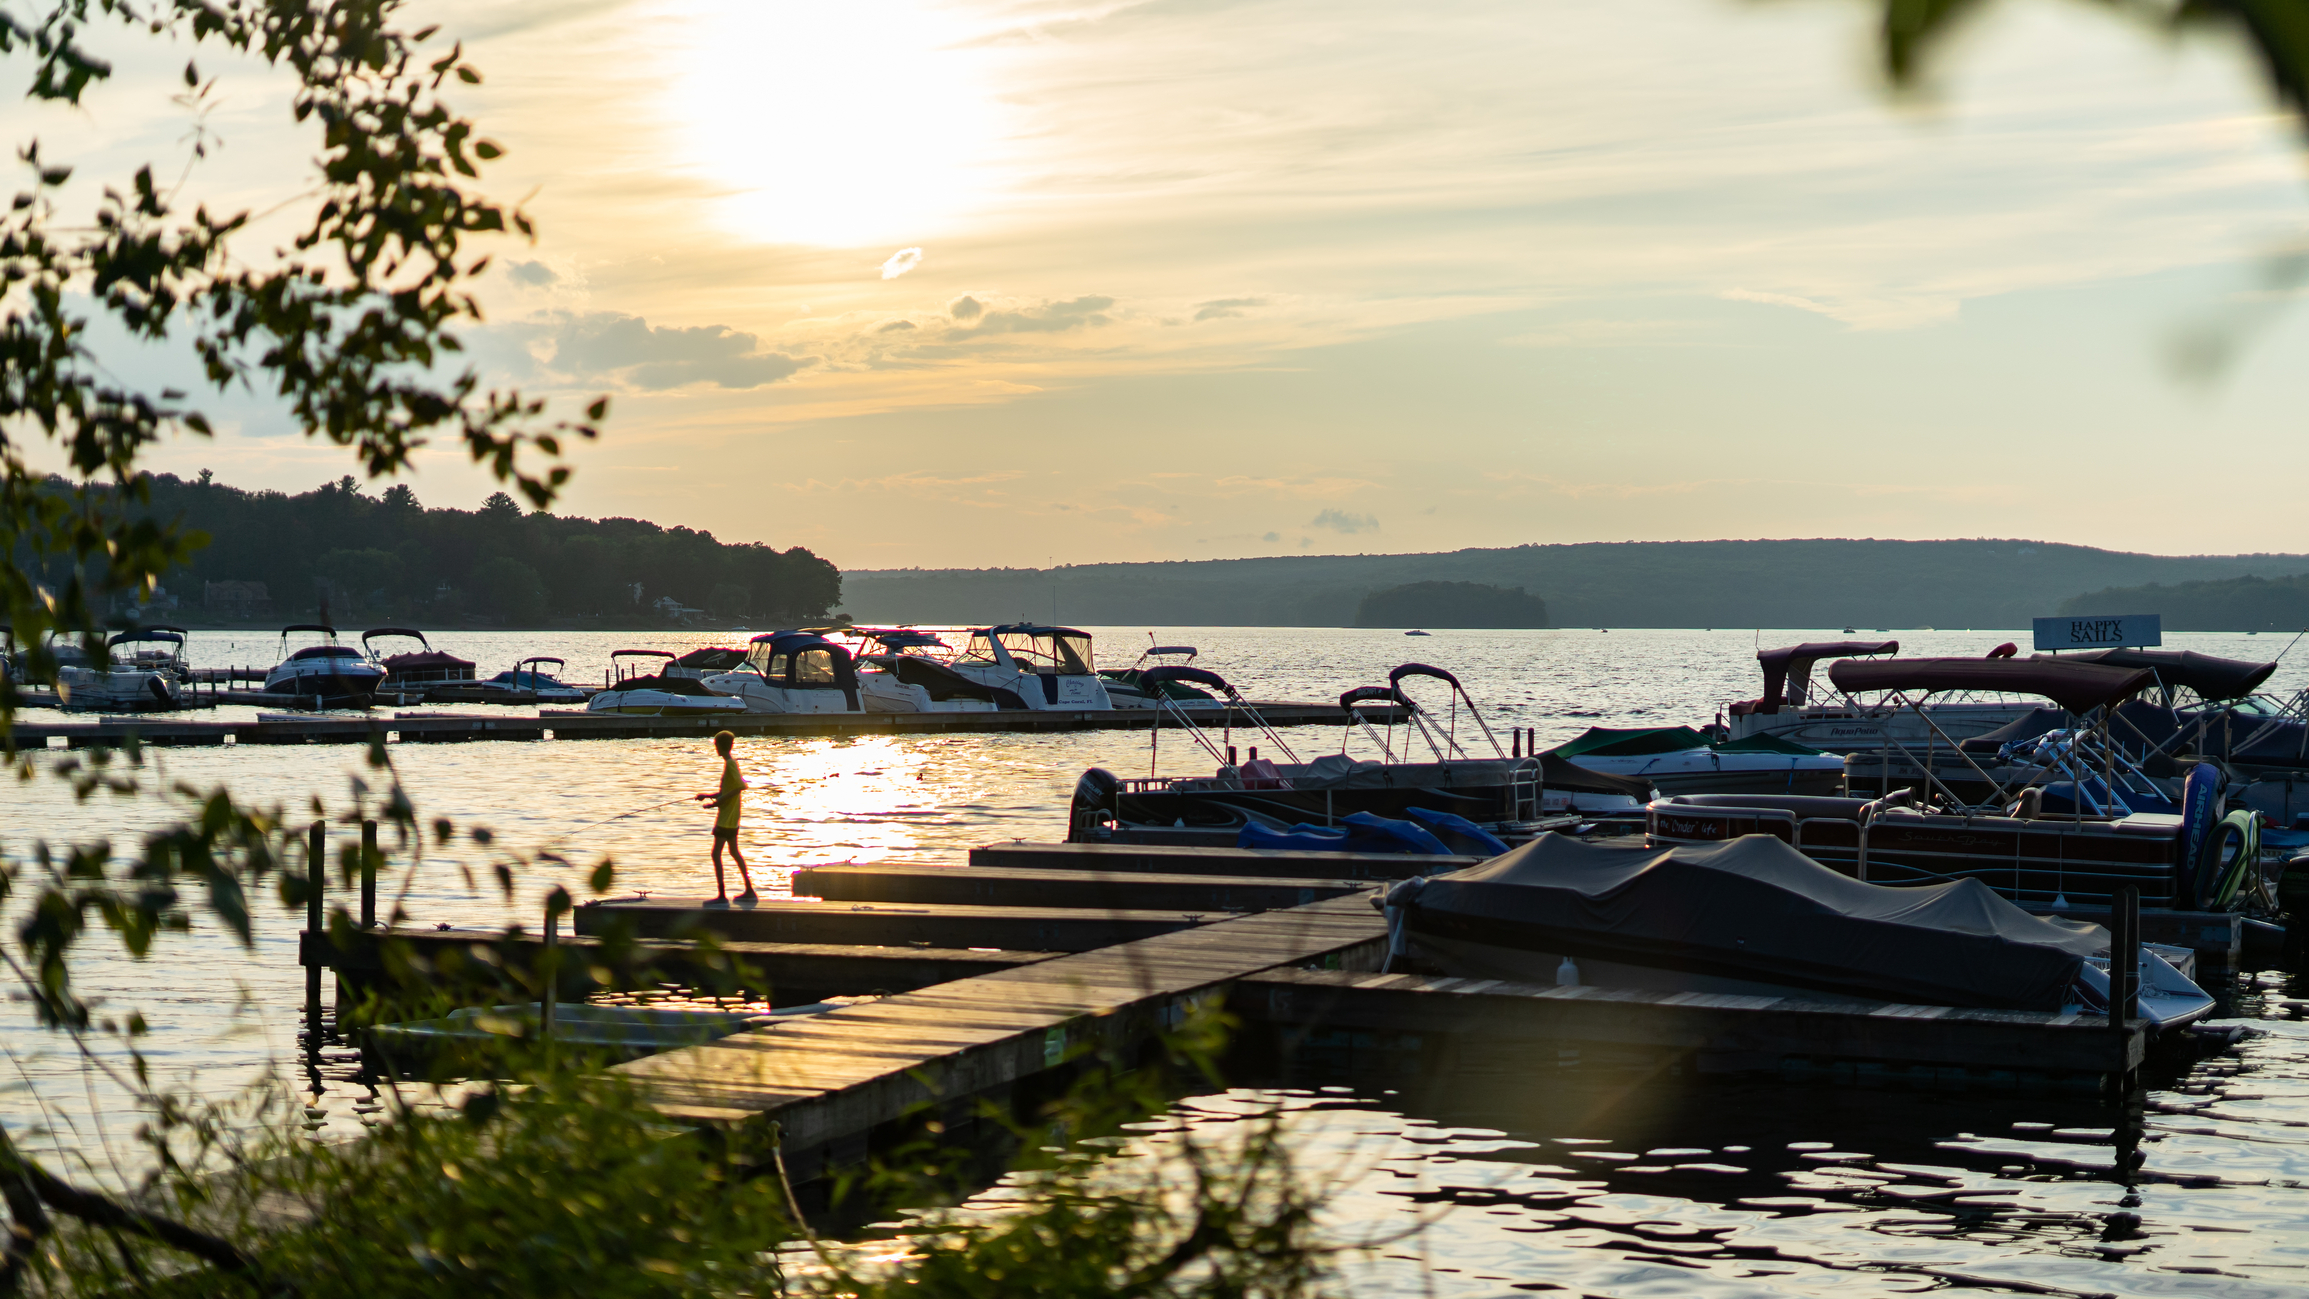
[
  {"x": 159, "y": 691},
  {"x": 1398, "y": 911},
  {"x": 1567, "y": 974}
]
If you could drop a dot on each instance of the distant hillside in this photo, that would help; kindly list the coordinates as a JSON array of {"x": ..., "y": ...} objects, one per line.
[
  {"x": 1826, "y": 583},
  {"x": 1451, "y": 604},
  {"x": 2234, "y": 604}
]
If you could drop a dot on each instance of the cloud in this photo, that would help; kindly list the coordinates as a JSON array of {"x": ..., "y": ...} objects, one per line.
[
  {"x": 894, "y": 326},
  {"x": 1049, "y": 318},
  {"x": 966, "y": 308},
  {"x": 610, "y": 346},
  {"x": 1272, "y": 536},
  {"x": 530, "y": 274},
  {"x": 1779, "y": 300},
  {"x": 1342, "y": 521},
  {"x": 902, "y": 261},
  {"x": 1223, "y": 308}
]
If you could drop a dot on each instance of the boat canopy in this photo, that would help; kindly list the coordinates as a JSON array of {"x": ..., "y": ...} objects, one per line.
[
  {"x": 2209, "y": 675},
  {"x": 321, "y": 627},
  {"x": 1607, "y": 742},
  {"x": 1187, "y": 650},
  {"x": 1051, "y": 651},
  {"x": 1197, "y": 676},
  {"x": 720, "y": 658},
  {"x": 162, "y": 635},
  {"x": 2071, "y": 682},
  {"x": 1788, "y": 669},
  {"x": 1395, "y": 676},
  {"x": 801, "y": 660},
  {"x": 410, "y": 632},
  {"x": 1371, "y": 695},
  {"x": 898, "y": 638},
  {"x": 1754, "y": 908},
  {"x": 641, "y": 654}
]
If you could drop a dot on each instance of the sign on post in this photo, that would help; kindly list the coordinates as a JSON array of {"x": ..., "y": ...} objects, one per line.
[{"x": 2132, "y": 630}]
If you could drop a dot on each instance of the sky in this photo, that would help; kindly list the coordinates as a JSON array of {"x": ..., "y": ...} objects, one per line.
[{"x": 1016, "y": 282}]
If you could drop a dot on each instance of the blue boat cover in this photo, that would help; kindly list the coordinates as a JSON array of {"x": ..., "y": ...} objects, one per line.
[
  {"x": 1360, "y": 832},
  {"x": 1463, "y": 835}
]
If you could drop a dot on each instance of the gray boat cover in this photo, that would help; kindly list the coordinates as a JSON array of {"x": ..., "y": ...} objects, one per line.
[{"x": 1754, "y": 908}]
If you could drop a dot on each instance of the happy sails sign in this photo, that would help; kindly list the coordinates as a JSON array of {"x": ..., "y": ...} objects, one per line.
[{"x": 2101, "y": 632}]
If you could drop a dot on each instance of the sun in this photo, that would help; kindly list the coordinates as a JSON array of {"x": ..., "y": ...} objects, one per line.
[{"x": 837, "y": 124}]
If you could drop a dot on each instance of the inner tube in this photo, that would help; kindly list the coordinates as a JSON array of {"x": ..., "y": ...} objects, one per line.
[{"x": 2230, "y": 850}]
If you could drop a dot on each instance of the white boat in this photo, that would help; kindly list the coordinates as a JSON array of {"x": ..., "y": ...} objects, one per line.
[
  {"x": 792, "y": 672},
  {"x": 144, "y": 671},
  {"x": 1040, "y": 667},
  {"x": 712, "y": 661},
  {"x": 1127, "y": 688},
  {"x": 658, "y": 694},
  {"x": 1680, "y": 760},
  {"x": 328, "y": 672},
  {"x": 910, "y": 670}
]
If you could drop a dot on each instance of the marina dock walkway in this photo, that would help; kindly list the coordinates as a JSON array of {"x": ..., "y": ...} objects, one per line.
[
  {"x": 833, "y": 1078},
  {"x": 576, "y": 724}
]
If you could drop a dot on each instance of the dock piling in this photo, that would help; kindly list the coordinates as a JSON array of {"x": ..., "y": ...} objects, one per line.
[
  {"x": 2124, "y": 978},
  {"x": 316, "y": 879},
  {"x": 370, "y": 857}
]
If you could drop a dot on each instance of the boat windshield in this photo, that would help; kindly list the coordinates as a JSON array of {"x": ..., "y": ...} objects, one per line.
[{"x": 1065, "y": 654}]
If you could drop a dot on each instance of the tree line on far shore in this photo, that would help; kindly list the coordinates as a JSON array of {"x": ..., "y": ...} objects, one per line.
[
  {"x": 2234, "y": 604},
  {"x": 371, "y": 558}
]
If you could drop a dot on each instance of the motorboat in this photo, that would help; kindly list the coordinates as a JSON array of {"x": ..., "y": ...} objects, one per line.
[
  {"x": 637, "y": 663},
  {"x": 328, "y": 673},
  {"x": 1788, "y": 709},
  {"x": 657, "y": 694},
  {"x": 661, "y": 697},
  {"x": 144, "y": 671},
  {"x": 2194, "y": 858},
  {"x": 1753, "y": 916},
  {"x": 909, "y": 670},
  {"x": 1124, "y": 686},
  {"x": 531, "y": 677},
  {"x": 792, "y": 672},
  {"x": 1041, "y": 667},
  {"x": 1499, "y": 794},
  {"x": 1680, "y": 760},
  {"x": 413, "y": 669}
]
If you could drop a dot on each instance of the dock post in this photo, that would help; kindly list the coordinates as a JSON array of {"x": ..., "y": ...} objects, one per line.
[
  {"x": 548, "y": 959},
  {"x": 369, "y": 859},
  {"x": 316, "y": 878},
  {"x": 2124, "y": 977}
]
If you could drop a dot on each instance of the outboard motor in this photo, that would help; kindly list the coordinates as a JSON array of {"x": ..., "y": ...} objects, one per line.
[{"x": 1094, "y": 806}]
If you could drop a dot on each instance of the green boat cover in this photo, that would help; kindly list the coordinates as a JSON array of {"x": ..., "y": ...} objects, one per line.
[
  {"x": 1607, "y": 742},
  {"x": 1767, "y": 744}
]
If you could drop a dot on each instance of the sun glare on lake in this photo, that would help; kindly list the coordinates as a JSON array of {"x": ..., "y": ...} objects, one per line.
[{"x": 840, "y": 125}]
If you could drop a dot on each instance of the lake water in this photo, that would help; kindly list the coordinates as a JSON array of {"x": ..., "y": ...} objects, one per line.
[{"x": 1494, "y": 1178}]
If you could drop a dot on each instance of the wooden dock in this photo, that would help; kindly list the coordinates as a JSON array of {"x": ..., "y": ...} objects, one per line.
[
  {"x": 1939, "y": 1044},
  {"x": 999, "y": 886},
  {"x": 791, "y": 974},
  {"x": 779, "y": 920},
  {"x": 575, "y": 724},
  {"x": 833, "y": 1079},
  {"x": 1170, "y": 859}
]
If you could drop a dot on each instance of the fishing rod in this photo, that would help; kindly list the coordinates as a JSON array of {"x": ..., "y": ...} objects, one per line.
[{"x": 635, "y": 812}]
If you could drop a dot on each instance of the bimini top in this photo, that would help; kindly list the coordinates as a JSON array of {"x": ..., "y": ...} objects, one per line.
[
  {"x": 897, "y": 638},
  {"x": 410, "y": 632},
  {"x": 1797, "y": 660},
  {"x": 164, "y": 635},
  {"x": 2072, "y": 683},
  {"x": 1374, "y": 695},
  {"x": 1756, "y": 909},
  {"x": 321, "y": 627},
  {"x": 1033, "y": 629},
  {"x": 2211, "y": 676},
  {"x": 1396, "y": 676}
]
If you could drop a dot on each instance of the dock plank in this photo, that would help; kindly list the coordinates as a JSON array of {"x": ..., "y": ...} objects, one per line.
[
  {"x": 1167, "y": 859},
  {"x": 1016, "y": 886},
  {"x": 1049, "y": 929},
  {"x": 838, "y": 1075}
]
